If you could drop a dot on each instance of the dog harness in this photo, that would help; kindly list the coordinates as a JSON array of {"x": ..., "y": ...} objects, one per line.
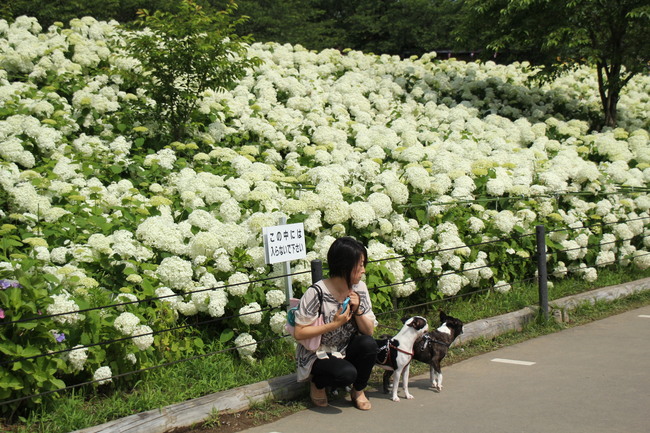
[
  {"x": 428, "y": 338},
  {"x": 389, "y": 360}
]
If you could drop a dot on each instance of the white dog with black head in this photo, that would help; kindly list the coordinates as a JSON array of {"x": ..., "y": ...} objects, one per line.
[{"x": 395, "y": 354}]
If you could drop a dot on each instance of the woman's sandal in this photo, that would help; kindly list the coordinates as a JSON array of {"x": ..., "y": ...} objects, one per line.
[
  {"x": 318, "y": 396},
  {"x": 360, "y": 404}
]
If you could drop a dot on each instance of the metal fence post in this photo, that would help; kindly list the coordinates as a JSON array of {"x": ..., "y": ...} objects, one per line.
[
  {"x": 316, "y": 271},
  {"x": 542, "y": 275}
]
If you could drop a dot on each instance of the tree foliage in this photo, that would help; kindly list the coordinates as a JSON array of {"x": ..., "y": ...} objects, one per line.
[
  {"x": 402, "y": 27},
  {"x": 559, "y": 35},
  {"x": 49, "y": 11},
  {"x": 182, "y": 55}
]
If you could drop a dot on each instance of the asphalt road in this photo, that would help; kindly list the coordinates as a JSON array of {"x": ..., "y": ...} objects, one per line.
[{"x": 593, "y": 378}]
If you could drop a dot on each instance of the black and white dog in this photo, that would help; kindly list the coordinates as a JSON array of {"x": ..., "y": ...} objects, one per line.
[
  {"x": 395, "y": 354},
  {"x": 432, "y": 347}
]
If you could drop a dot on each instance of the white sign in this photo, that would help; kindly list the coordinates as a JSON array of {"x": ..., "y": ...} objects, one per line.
[{"x": 284, "y": 243}]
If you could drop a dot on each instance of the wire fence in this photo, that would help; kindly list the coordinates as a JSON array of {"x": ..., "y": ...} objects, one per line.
[{"x": 535, "y": 265}]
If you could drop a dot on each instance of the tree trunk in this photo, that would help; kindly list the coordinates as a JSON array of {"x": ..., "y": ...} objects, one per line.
[
  {"x": 609, "y": 88},
  {"x": 610, "y": 108}
]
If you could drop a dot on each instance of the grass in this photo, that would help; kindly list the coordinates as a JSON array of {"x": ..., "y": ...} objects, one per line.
[{"x": 201, "y": 376}]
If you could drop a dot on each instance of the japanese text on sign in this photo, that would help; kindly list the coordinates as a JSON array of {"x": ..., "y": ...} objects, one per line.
[{"x": 284, "y": 243}]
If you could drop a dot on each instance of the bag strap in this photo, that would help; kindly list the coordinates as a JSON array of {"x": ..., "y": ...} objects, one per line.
[{"x": 319, "y": 291}]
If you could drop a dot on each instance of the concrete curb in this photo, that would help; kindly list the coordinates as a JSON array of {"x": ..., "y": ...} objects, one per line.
[{"x": 283, "y": 388}]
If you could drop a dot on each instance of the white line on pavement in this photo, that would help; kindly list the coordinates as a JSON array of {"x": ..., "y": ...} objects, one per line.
[{"x": 512, "y": 361}]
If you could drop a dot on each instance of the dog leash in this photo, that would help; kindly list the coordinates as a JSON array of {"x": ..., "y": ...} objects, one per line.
[
  {"x": 400, "y": 350},
  {"x": 390, "y": 346}
]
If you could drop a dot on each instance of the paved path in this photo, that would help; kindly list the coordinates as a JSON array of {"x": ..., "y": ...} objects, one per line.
[{"x": 593, "y": 378}]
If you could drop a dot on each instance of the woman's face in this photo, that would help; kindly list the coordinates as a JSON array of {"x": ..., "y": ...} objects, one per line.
[{"x": 358, "y": 271}]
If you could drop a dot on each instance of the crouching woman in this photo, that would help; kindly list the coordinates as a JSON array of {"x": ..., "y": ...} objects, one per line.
[{"x": 348, "y": 350}]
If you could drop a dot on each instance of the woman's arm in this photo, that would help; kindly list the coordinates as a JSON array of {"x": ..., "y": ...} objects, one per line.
[
  {"x": 302, "y": 332},
  {"x": 365, "y": 324}
]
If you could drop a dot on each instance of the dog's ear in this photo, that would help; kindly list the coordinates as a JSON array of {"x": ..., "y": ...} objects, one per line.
[
  {"x": 419, "y": 322},
  {"x": 405, "y": 318},
  {"x": 443, "y": 316}
]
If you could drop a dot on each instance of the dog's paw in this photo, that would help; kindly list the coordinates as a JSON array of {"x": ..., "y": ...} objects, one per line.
[
  {"x": 395, "y": 398},
  {"x": 409, "y": 397}
]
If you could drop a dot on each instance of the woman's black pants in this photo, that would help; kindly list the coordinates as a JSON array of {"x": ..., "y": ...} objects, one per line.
[{"x": 354, "y": 369}]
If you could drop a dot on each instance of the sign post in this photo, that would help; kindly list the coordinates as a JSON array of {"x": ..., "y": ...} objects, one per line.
[{"x": 282, "y": 244}]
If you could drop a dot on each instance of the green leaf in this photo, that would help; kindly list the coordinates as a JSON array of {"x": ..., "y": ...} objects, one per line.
[
  {"x": 51, "y": 278},
  {"x": 226, "y": 335},
  {"x": 8, "y": 380}
]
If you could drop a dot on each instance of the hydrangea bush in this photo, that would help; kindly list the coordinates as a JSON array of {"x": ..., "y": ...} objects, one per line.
[{"x": 109, "y": 243}]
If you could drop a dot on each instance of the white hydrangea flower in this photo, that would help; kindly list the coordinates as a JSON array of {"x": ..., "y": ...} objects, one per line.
[
  {"x": 277, "y": 322},
  {"x": 275, "y": 298},
  {"x": 505, "y": 221},
  {"x": 230, "y": 210},
  {"x": 250, "y": 314},
  {"x": 161, "y": 232},
  {"x": 165, "y": 158},
  {"x": 58, "y": 255},
  {"x": 450, "y": 284},
  {"x": 475, "y": 225},
  {"x": 100, "y": 243},
  {"x": 337, "y": 212},
  {"x": 641, "y": 259},
  {"x": 201, "y": 219},
  {"x": 418, "y": 177},
  {"x": 605, "y": 258},
  {"x": 126, "y": 323},
  {"x": 405, "y": 289},
  {"x": 313, "y": 223},
  {"x": 168, "y": 296},
  {"x": 362, "y": 214},
  {"x": 608, "y": 242},
  {"x": 134, "y": 278},
  {"x": 176, "y": 273},
  {"x": 246, "y": 346},
  {"x": 625, "y": 253},
  {"x": 573, "y": 250},
  {"x": 238, "y": 284},
  {"x": 589, "y": 274},
  {"x": 385, "y": 226},
  {"x": 131, "y": 358},
  {"x": 381, "y": 204},
  {"x": 103, "y": 375},
  {"x": 63, "y": 304},
  {"x": 142, "y": 337},
  {"x": 425, "y": 266},
  {"x": 77, "y": 357},
  {"x": 502, "y": 287},
  {"x": 217, "y": 304},
  {"x": 188, "y": 308},
  {"x": 560, "y": 270},
  {"x": 125, "y": 298}
]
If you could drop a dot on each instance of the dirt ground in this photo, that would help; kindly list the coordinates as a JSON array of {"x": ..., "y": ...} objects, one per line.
[{"x": 238, "y": 421}]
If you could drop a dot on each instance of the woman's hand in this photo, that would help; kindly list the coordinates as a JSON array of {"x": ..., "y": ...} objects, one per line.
[
  {"x": 355, "y": 301},
  {"x": 342, "y": 318}
]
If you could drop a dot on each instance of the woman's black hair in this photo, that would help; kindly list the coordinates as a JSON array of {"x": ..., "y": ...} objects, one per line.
[{"x": 344, "y": 255}]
